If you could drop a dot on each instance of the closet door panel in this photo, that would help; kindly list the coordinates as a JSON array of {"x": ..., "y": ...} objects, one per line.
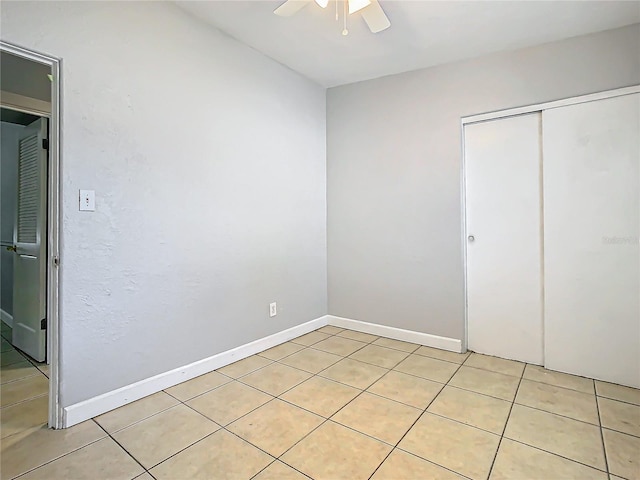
[
  {"x": 503, "y": 208},
  {"x": 591, "y": 239}
]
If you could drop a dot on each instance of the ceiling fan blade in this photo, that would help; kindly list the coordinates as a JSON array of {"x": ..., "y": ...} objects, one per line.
[
  {"x": 357, "y": 5},
  {"x": 291, "y": 7},
  {"x": 375, "y": 17}
]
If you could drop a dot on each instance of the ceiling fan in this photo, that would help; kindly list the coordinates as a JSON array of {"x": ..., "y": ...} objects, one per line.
[{"x": 371, "y": 10}]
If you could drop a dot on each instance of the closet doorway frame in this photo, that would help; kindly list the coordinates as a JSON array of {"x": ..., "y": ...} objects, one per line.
[
  {"x": 55, "y": 413},
  {"x": 510, "y": 112}
]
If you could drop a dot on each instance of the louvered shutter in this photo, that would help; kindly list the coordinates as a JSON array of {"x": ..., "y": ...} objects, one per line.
[{"x": 28, "y": 189}]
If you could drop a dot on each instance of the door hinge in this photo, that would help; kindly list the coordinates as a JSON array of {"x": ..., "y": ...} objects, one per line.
[
  {"x": 43, "y": 324},
  {"x": 56, "y": 261},
  {"x": 45, "y": 143}
]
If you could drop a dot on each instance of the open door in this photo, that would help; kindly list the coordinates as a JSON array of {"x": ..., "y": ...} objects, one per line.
[{"x": 30, "y": 243}]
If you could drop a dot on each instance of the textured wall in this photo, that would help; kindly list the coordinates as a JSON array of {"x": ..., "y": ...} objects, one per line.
[
  {"x": 394, "y": 169},
  {"x": 208, "y": 162}
]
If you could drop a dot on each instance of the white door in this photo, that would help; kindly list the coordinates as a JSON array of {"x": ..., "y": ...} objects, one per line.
[
  {"x": 592, "y": 244},
  {"x": 29, "y": 235},
  {"x": 503, "y": 228}
]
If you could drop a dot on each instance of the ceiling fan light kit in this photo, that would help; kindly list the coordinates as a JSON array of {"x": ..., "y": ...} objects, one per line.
[{"x": 371, "y": 11}]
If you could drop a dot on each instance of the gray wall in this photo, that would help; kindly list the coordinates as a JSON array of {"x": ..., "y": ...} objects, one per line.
[
  {"x": 9, "y": 178},
  {"x": 24, "y": 77},
  {"x": 209, "y": 165},
  {"x": 394, "y": 169}
]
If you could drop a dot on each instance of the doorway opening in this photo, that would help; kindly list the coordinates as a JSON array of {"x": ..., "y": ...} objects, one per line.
[{"x": 29, "y": 255}]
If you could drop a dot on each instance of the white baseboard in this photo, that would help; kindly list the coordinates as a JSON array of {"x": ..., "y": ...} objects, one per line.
[
  {"x": 443, "y": 343},
  {"x": 6, "y": 318},
  {"x": 92, "y": 407}
]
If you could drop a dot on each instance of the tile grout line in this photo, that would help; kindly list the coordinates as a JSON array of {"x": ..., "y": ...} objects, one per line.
[
  {"x": 442, "y": 385},
  {"x": 285, "y": 365},
  {"x": 571, "y": 460},
  {"x": 558, "y": 386},
  {"x": 504, "y": 429},
  {"x": 182, "y": 449},
  {"x": 251, "y": 386},
  {"x": 414, "y": 423},
  {"x": 374, "y": 382},
  {"x": 271, "y": 362},
  {"x": 275, "y": 461},
  {"x": 25, "y": 357},
  {"x": 122, "y": 447},
  {"x": 241, "y": 416},
  {"x": 495, "y": 398},
  {"x": 277, "y": 396},
  {"x": 224, "y": 427},
  {"x": 325, "y": 419},
  {"x": 29, "y": 375},
  {"x": 71, "y": 451},
  {"x": 137, "y": 421},
  {"x": 317, "y": 374},
  {"x": 23, "y": 400},
  {"x": 555, "y": 454},
  {"x": 329, "y": 366},
  {"x": 620, "y": 401},
  {"x": 609, "y": 429},
  {"x": 203, "y": 393},
  {"x": 604, "y": 448},
  {"x": 375, "y": 364},
  {"x": 304, "y": 347},
  {"x": 556, "y": 414},
  {"x": 279, "y": 361},
  {"x": 490, "y": 371},
  {"x": 468, "y": 390},
  {"x": 330, "y": 353},
  {"x": 365, "y": 390},
  {"x": 263, "y": 469},
  {"x": 392, "y": 369},
  {"x": 57, "y": 458},
  {"x": 329, "y": 418}
]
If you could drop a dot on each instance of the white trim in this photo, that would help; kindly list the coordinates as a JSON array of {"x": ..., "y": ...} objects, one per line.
[
  {"x": 548, "y": 105},
  {"x": 20, "y": 103},
  {"x": 435, "y": 341},
  {"x": 54, "y": 216},
  {"x": 463, "y": 204},
  {"x": 92, "y": 407},
  {"x": 6, "y": 317}
]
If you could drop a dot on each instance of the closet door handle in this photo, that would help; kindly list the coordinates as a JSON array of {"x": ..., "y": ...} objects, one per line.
[{"x": 471, "y": 238}]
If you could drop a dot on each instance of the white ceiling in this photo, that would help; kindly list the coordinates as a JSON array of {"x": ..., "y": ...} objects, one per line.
[{"x": 422, "y": 33}]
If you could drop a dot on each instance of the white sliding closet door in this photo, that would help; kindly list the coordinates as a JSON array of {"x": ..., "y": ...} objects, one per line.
[
  {"x": 503, "y": 208},
  {"x": 591, "y": 238}
]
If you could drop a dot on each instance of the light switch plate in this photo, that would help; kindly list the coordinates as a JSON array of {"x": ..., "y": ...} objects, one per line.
[{"x": 87, "y": 200}]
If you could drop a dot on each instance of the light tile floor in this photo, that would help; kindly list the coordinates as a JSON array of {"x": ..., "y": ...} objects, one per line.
[{"x": 336, "y": 404}]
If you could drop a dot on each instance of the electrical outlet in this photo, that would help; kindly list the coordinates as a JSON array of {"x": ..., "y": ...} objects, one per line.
[
  {"x": 87, "y": 200},
  {"x": 273, "y": 311}
]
